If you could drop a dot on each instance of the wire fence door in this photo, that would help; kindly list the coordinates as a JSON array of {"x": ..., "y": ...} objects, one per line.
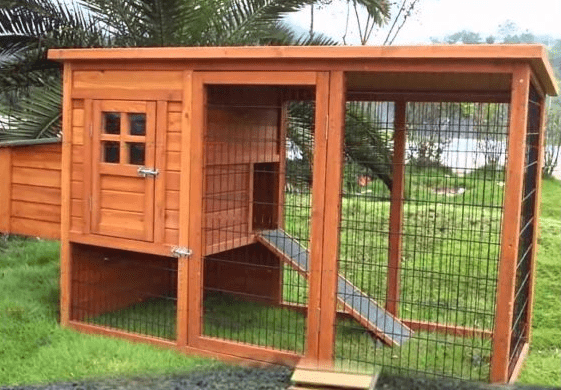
[{"x": 257, "y": 177}]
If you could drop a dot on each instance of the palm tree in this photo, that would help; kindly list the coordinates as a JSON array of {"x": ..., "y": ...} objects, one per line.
[{"x": 30, "y": 103}]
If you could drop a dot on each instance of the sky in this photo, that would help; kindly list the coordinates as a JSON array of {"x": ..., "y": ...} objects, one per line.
[{"x": 438, "y": 18}]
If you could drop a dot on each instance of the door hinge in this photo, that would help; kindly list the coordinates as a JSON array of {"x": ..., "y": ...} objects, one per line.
[
  {"x": 181, "y": 251},
  {"x": 145, "y": 172}
]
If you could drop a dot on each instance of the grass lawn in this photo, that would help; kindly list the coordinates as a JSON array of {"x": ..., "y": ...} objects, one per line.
[{"x": 35, "y": 349}]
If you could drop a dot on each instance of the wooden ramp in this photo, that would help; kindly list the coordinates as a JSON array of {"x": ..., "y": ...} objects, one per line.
[
  {"x": 355, "y": 302},
  {"x": 309, "y": 378}
]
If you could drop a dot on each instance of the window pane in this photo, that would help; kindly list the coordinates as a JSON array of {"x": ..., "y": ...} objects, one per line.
[
  {"x": 137, "y": 124},
  {"x": 111, "y": 152},
  {"x": 136, "y": 153},
  {"x": 112, "y": 123}
]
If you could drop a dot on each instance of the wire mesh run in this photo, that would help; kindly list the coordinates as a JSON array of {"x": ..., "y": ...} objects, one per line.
[
  {"x": 128, "y": 291},
  {"x": 520, "y": 320},
  {"x": 256, "y": 202},
  {"x": 447, "y": 262}
]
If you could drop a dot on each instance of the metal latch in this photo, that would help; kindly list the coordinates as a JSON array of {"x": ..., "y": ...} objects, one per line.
[
  {"x": 181, "y": 251},
  {"x": 145, "y": 172}
]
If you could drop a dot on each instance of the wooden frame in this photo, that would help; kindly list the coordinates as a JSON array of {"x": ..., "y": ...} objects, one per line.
[{"x": 167, "y": 77}]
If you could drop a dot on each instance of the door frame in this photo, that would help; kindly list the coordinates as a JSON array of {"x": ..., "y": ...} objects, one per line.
[{"x": 197, "y": 83}]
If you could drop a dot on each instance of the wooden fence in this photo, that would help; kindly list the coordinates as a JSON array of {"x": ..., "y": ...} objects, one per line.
[{"x": 30, "y": 190}]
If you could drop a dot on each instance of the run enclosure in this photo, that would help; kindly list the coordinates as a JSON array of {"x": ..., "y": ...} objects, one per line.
[{"x": 334, "y": 205}]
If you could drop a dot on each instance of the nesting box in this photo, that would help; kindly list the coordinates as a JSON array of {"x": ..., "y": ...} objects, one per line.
[{"x": 349, "y": 207}]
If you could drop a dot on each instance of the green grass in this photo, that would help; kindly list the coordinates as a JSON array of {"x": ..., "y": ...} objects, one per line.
[{"x": 35, "y": 349}]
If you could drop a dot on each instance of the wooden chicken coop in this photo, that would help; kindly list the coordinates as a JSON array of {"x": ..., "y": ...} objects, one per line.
[{"x": 342, "y": 206}]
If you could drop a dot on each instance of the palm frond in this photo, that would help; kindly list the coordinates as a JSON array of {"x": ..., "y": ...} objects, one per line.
[{"x": 38, "y": 115}]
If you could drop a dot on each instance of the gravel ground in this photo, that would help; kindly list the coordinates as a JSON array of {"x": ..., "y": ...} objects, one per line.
[{"x": 249, "y": 379}]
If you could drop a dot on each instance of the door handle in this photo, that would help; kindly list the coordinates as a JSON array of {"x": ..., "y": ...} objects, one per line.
[{"x": 145, "y": 172}]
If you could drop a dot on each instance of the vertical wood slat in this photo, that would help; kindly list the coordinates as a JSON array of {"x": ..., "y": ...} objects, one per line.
[
  {"x": 66, "y": 177},
  {"x": 150, "y": 160},
  {"x": 184, "y": 210},
  {"x": 316, "y": 229},
  {"x": 511, "y": 223},
  {"x": 283, "y": 123},
  {"x": 396, "y": 208},
  {"x": 5, "y": 189},
  {"x": 332, "y": 216},
  {"x": 88, "y": 165},
  {"x": 198, "y": 128},
  {"x": 537, "y": 210},
  {"x": 160, "y": 165}
]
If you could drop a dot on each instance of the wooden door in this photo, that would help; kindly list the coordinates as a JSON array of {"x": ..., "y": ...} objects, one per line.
[{"x": 123, "y": 146}]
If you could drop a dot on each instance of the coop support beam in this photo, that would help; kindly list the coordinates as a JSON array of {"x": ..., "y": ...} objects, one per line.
[
  {"x": 65, "y": 248},
  {"x": 511, "y": 223},
  {"x": 396, "y": 208},
  {"x": 5, "y": 188},
  {"x": 537, "y": 203},
  {"x": 332, "y": 215},
  {"x": 318, "y": 205},
  {"x": 187, "y": 237}
]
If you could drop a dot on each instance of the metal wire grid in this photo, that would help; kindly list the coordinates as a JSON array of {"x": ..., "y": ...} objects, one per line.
[
  {"x": 454, "y": 178},
  {"x": 520, "y": 320},
  {"x": 123, "y": 290},
  {"x": 250, "y": 295}
]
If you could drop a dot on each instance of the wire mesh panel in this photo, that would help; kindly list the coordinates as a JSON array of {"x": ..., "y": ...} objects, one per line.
[
  {"x": 520, "y": 320},
  {"x": 256, "y": 233},
  {"x": 132, "y": 292},
  {"x": 450, "y": 233}
]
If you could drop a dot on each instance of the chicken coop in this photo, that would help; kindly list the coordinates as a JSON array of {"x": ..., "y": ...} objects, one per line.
[{"x": 348, "y": 207}]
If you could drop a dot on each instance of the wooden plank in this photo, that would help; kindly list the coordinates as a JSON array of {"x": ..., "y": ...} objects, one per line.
[
  {"x": 172, "y": 200},
  {"x": 259, "y": 78},
  {"x": 173, "y": 143},
  {"x": 37, "y": 177},
  {"x": 78, "y": 154},
  {"x": 511, "y": 224},
  {"x": 160, "y": 165},
  {"x": 171, "y": 236},
  {"x": 175, "y": 106},
  {"x": 78, "y": 135},
  {"x": 77, "y": 116},
  {"x": 77, "y": 189},
  {"x": 396, "y": 208},
  {"x": 331, "y": 221},
  {"x": 77, "y": 171},
  {"x": 30, "y": 158},
  {"x": 36, "y": 211},
  {"x": 128, "y": 80},
  {"x": 175, "y": 122},
  {"x": 127, "y": 94},
  {"x": 172, "y": 180},
  {"x": 5, "y": 188},
  {"x": 191, "y": 202},
  {"x": 65, "y": 188},
  {"x": 76, "y": 224},
  {"x": 89, "y": 166},
  {"x": 126, "y": 201},
  {"x": 134, "y": 245},
  {"x": 448, "y": 329},
  {"x": 171, "y": 219},
  {"x": 173, "y": 160},
  {"x": 332, "y": 379},
  {"x": 35, "y": 228},
  {"x": 45, "y": 195},
  {"x": 182, "y": 183},
  {"x": 122, "y": 184},
  {"x": 316, "y": 222}
]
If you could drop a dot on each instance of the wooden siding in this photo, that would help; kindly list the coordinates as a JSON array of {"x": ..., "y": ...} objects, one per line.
[
  {"x": 173, "y": 166},
  {"x": 30, "y": 178}
]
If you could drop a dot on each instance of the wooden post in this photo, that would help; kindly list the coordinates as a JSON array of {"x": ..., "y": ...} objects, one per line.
[
  {"x": 184, "y": 210},
  {"x": 195, "y": 223},
  {"x": 332, "y": 216},
  {"x": 511, "y": 223},
  {"x": 316, "y": 230},
  {"x": 396, "y": 208},
  {"x": 5, "y": 189},
  {"x": 66, "y": 203}
]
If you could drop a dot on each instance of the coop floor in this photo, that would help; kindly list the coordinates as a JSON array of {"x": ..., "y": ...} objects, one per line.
[{"x": 233, "y": 319}]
